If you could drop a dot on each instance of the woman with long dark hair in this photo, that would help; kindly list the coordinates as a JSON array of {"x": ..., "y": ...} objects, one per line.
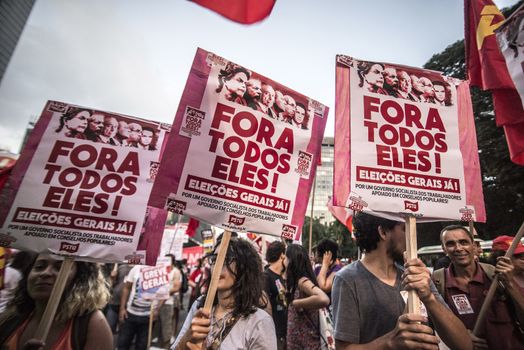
[
  {"x": 304, "y": 298},
  {"x": 78, "y": 324},
  {"x": 237, "y": 319}
]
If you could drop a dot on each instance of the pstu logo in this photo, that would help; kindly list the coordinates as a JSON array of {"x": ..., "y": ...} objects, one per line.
[
  {"x": 413, "y": 206},
  {"x": 176, "y": 206},
  {"x": 467, "y": 214},
  {"x": 357, "y": 203},
  {"x": 134, "y": 259},
  {"x": 69, "y": 247},
  {"x": 288, "y": 231},
  {"x": 236, "y": 220}
]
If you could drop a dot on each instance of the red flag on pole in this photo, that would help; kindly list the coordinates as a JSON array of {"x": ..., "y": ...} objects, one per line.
[
  {"x": 191, "y": 227},
  {"x": 486, "y": 68},
  {"x": 343, "y": 215},
  {"x": 241, "y": 11}
]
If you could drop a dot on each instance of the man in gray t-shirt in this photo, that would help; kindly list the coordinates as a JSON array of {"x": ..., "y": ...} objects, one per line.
[{"x": 368, "y": 307}]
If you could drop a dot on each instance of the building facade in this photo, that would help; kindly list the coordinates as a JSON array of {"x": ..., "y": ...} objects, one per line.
[
  {"x": 13, "y": 16},
  {"x": 323, "y": 185}
]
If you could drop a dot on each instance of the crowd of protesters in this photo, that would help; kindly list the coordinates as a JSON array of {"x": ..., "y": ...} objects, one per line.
[{"x": 279, "y": 306}]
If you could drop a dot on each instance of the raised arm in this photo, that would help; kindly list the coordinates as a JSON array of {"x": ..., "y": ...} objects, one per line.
[{"x": 315, "y": 299}]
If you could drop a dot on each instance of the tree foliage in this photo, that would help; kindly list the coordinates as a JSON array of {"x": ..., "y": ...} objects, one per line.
[{"x": 502, "y": 180}]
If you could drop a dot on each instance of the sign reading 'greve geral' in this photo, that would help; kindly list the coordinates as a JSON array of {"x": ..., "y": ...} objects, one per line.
[
  {"x": 405, "y": 143},
  {"x": 244, "y": 150}
]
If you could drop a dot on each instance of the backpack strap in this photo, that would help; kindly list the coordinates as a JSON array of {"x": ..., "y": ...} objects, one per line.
[
  {"x": 79, "y": 332},
  {"x": 439, "y": 279},
  {"x": 488, "y": 269}
]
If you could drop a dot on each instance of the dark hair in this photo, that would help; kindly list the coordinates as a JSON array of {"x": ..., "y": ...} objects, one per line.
[
  {"x": 87, "y": 292},
  {"x": 147, "y": 128},
  {"x": 70, "y": 114},
  {"x": 274, "y": 251},
  {"x": 229, "y": 72},
  {"x": 363, "y": 68},
  {"x": 366, "y": 230},
  {"x": 298, "y": 266},
  {"x": 173, "y": 259},
  {"x": 456, "y": 227},
  {"x": 249, "y": 279},
  {"x": 327, "y": 245},
  {"x": 23, "y": 261},
  {"x": 300, "y": 104}
]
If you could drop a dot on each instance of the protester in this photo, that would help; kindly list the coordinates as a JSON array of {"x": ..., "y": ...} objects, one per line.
[
  {"x": 236, "y": 320},
  {"x": 78, "y": 324},
  {"x": 118, "y": 274},
  {"x": 13, "y": 273},
  {"x": 134, "y": 312},
  {"x": 165, "y": 315},
  {"x": 232, "y": 83},
  {"x": 199, "y": 280},
  {"x": 304, "y": 299},
  {"x": 327, "y": 253},
  {"x": 367, "y": 301},
  {"x": 464, "y": 286},
  {"x": 276, "y": 289},
  {"x": 73, "y": 123},
  {"x": 371, "y": 77},
  {"x": 500, "y": 246}
]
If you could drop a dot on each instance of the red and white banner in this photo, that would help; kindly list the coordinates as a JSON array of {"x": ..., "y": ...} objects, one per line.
[
  {"x": 192, "y": 254},
  {"x": 82, "y": 184},
  {"x": 405, "y": 143},
  {"x": 244, "y": 150}
]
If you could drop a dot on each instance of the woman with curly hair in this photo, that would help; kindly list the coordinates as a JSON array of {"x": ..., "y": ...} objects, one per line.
[
  {"x": 232, "y": 83},
  {"x": 236, "y": 320},
  {"x": 78, "y": 324},
  {"x": 304, "y": 298},
  {"x": 74, "y": 122}
]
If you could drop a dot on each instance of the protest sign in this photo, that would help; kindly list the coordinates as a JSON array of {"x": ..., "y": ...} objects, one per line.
[
  {"x": 173, "y": 240},
  {"x": 244, "y": 150},
  {"x": 208, "y": 241},
  {"x": 82, "y": 183},
  {"x": 192, "y": 254},
  {"x": 155, "y": 280},
  {"x": 405, "y": 143}
]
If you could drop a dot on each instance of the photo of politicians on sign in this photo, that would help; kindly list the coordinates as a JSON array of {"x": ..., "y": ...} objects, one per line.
[
  {"x": 239, "y": 85},
  {"x": 103, "y": 127},
  {"x": 401, "y": 82}
]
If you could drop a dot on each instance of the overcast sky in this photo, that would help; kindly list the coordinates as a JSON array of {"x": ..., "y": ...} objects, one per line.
[{"x": 133, "y": 56}]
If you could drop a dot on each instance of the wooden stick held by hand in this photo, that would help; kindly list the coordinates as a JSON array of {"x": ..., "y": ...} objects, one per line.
[{"x": 413, "y": 304}]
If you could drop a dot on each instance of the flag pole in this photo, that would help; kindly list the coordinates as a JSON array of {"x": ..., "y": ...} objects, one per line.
[
  {"x": 479, "y": 325},
  {"x": 411, "y": 253},
  {"x": 311, "y": 215}
]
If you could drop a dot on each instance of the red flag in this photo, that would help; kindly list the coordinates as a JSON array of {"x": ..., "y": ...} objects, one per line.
[
  {"x": 191, "y": 227},
  {"x": 241, "y": 11},
  {"x": 487, "y": 69},
  {"x": 343, "y": 215}
]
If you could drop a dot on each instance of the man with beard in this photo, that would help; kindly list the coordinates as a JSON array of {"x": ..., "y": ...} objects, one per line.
[
  {"x": 464, "y": 285},
  {"x": 391, "y": 81},
  {"x": 109, "y": 131},
  {"x": 275, "y": 288},
  {"x": 253, "y": 92},
  {"x": 368, "y": 305},
  {"x": 95, "y": 126}
]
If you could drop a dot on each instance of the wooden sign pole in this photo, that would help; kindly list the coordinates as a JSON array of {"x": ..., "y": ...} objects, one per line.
[
  {"x": 217, "y": 270},
  {"x": 56, "y": 294},
  {"x": 479, "y": 325},
  {"x": 411, "y": 253},
  {"x": 150, "y": 329}
]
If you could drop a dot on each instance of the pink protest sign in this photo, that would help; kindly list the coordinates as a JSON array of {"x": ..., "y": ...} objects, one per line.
[
  {"x": 242, "y": 151},
  {"x": 82, "y": 184},
  {"x": 405, "y": 143}
]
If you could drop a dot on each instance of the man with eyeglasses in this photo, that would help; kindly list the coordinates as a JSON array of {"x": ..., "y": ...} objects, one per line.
[{"x": 464, "y": 285}]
